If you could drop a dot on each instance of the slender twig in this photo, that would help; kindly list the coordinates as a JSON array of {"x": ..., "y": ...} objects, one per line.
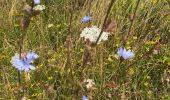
[
  {"x": 104, "y": 23},
  {"x": 68, "y": 46},
  {"x": 105, "y": 19},
  {"x": 21, "y": 40},
  {"x": 24, "y": 25},
  {"x": 20, "y": 54},
  {"x": 132, "y": 21}
]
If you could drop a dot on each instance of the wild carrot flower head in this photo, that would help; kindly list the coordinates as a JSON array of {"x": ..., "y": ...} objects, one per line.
[
  {"x": 92, "y": 34},
  {"x": 125, "y": 54},
  {"x": 86, "y": 19},
  {"x": 39, "y": 7},
  {"x": 37, "y": 1},
  {"x": 84, "y": 98},
  {"x": 25, "y": 62},
  {"x": 50, "y": 25},
  {"x": 89, "y": 83}
]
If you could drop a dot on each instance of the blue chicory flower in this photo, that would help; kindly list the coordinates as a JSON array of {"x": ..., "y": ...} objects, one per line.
[
  {"x": 37, "y": 2},
  {"x": 86, "y": 19},
  {"x": 84, "y": 98},
  {"x": 125, "y": 54},
  {"x": 25, "y": 62}
]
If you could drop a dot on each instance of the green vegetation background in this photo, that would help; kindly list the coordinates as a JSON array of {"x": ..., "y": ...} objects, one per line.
[{"x": 146, "y": 77}]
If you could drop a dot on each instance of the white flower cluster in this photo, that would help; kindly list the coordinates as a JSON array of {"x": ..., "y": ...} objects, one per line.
[
  {"x": 89, "y": 83},
  {"x": 93, "y": 33},
  {"x": 50, "y": 25},
  {"x": 39, "y": 7}
]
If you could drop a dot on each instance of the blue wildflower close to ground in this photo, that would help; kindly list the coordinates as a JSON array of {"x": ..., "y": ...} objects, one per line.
[
  {"x": 84, "y": 98},
  {"x": 25, "y": 62},
  {"x": 86, "y": 19},
  {"x": 37, "y": 1},
  {"x": 125, "y": 54}
]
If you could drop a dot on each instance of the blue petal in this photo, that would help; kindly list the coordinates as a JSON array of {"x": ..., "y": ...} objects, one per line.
[
  {"x": 86, "y": 19},
  {"x": 17, "y": 63},
  {"x": 26, "y": 68},
  {"x": 31, "y": 67},
  {"x": 128, "y": 54},
  {"x": 84, "y": 98},
  {"x": 120, "y": 51},
  {"x": 31, "y": 56},
  {"x": 125, "y": 54},
  {"x": 24, "y": 63}
]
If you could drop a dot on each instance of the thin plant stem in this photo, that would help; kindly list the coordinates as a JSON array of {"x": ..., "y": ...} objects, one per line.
[
  {"x": 101, "y": 67},
  {"x": 19, "y": 78},
  {"x": 105, "y": 19},
  {"x": 20, "y": 56},
  {"x": 132, "y": 21},
  {"x": 24, "y": 25},
  {"x": 68, "y": 45}
]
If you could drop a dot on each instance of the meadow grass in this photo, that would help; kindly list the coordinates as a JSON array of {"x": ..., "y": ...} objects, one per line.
[{"x": 142, "y": 26}]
